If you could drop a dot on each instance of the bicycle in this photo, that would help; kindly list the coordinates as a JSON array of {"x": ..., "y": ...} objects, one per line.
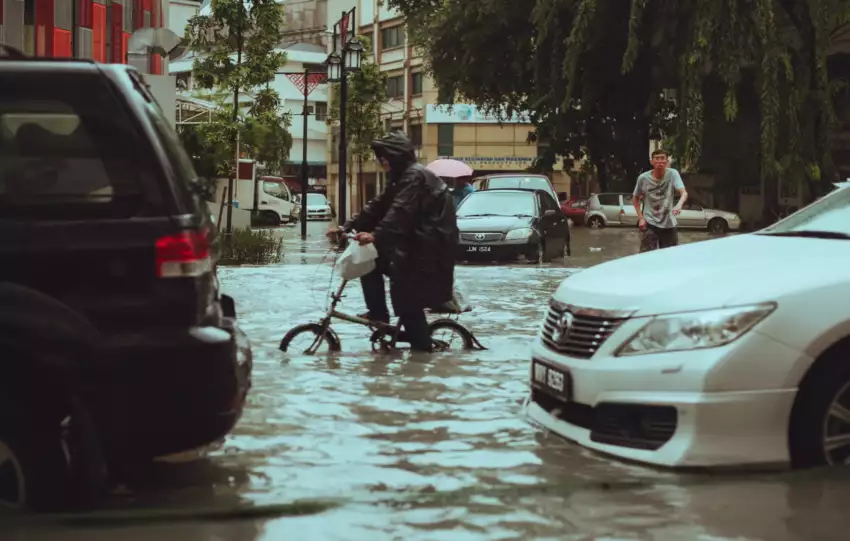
[{"x": 384, "y": 336}]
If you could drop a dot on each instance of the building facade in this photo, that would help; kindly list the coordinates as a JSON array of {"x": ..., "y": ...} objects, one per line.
[
  {"x": 461, "y": 132},
  {"x": 96, "y": 29},
  {"x": 299, "y": 56}
]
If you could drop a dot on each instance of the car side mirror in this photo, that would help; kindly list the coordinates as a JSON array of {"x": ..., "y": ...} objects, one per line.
[{"x": 550, "y": 213}]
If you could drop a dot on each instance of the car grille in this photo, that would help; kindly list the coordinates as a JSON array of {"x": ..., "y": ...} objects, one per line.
[
  {"x": 481, "y": 237},
  {"x": 585, "y": 336}
]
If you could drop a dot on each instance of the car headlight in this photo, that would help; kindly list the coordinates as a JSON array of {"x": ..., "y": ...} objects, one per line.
[
  {"x": 695, "y": 330},
  {"x": 517, "y": 234}
]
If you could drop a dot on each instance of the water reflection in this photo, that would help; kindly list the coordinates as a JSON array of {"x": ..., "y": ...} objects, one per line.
[{"x": 436, "y": 448}]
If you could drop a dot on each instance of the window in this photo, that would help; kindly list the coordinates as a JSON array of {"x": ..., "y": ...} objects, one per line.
[
  {"x": 547, "y": 203},
  {"x": 68, "y": 151},
  {"x": 497, "y": 203},
  {"x": 416, "y": 135},
  {"x": 609, "y": 199},
  {"x": 392, "y": 37},
  {"x": 416, "y": 84},
  {"x": 321, "y": 111},
  {"x": 276, "y": 190},
  {"x": 445, "y": 139},
  {"x": 395, "y": 86},
  {"x": 315, "y": 68}
]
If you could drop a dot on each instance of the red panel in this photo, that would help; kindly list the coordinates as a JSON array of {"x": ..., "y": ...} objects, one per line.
[
  {"x": 138, "y": 14},
  {"x": 125, "y": 42},
  {"x": 62, "y": 43},
  {"x": 246, "y": 171},
  {"x": 1, "y": 11},
  {"x": 156, "y": 64},
  {"x": 84, "y": 13},
  {"x": 99, "y": 32},
  {"x": 146, "y": 5},
  {"x": 116, "y": 31},
  {"x": 43, "y": 27}
]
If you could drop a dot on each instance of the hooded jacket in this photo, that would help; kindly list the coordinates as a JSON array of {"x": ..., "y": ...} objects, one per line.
[{"x": 414, "y": 225}]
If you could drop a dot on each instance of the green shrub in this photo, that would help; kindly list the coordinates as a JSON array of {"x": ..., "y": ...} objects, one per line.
[{"x": 247, "y": 247}]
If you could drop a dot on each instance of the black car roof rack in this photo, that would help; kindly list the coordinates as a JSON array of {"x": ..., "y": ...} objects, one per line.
[{"x": 7, "y": 52}]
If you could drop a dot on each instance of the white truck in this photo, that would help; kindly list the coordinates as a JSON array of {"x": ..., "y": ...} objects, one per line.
[{"x": 275, "y": 200}]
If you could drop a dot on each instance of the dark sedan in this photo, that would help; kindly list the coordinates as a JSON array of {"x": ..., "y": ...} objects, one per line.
[{"x": 511, "y": 224}]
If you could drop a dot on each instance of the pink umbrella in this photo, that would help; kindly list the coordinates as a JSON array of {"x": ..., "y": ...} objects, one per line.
[{"x": 449, "y": 168}]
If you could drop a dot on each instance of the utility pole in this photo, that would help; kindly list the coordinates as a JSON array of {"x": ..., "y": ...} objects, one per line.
[{"x": 306, "y": 83}]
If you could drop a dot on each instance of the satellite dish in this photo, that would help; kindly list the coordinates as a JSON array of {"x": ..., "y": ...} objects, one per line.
[{"x": 160, "y": 41}]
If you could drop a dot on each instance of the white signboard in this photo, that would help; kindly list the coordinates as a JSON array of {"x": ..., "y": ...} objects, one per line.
[{"x": 461, "y": 113}]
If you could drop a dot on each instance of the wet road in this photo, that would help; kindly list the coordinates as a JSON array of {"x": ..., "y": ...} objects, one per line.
[{"x": 402, "y": 448}]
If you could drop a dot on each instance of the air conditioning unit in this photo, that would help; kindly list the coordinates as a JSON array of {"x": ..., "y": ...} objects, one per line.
[{"x": 310, "y": 109}]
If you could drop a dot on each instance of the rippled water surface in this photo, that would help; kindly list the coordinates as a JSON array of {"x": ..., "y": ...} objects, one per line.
[{"x": 436, "y": 447}]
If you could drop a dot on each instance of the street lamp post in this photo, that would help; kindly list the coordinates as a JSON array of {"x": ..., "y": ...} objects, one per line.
[
  {"x": 339, "y": 63},
  {"x": 306, "y": 83}
]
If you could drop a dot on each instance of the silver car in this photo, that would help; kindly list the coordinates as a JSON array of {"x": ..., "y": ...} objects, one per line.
[{"x": 616, "y": 209}]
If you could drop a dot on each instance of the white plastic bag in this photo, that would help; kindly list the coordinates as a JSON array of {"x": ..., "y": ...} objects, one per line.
[{"x": 357, "y": 260}]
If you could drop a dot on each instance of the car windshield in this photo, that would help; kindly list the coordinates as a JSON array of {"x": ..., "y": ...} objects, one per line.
[
  {"x": 316, "y": 199},
  {"x": 488, "y": 203},
  {"x": 274, "y": 189},
  {"x": 525, "y": 183},
  {"x": 827, "y": 217}
]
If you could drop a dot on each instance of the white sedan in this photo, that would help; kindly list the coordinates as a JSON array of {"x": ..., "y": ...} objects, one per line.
[{"x": 729, "y": 352}]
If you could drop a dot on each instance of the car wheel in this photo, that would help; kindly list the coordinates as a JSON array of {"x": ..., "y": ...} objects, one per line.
[
  {"x": 34, "y": 466},
  {"x": 596, "y": 222},
  {"x": 718, "y": 225},
  {"x": 271, "y": 218},
  {"x": 819, "y": 431}
]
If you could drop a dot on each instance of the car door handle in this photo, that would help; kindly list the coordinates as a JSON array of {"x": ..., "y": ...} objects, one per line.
[{"x": 264, "y": 202}]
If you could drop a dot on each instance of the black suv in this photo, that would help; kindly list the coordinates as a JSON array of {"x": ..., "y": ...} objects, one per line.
[{"x": 116, "y": 346}]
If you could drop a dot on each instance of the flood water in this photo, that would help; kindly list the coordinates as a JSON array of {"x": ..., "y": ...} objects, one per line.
[{"x": 437, "y": 449}]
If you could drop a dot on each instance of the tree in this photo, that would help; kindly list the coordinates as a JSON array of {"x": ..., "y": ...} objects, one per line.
[
  {"x": 236, "y": 53},
  {"x": 598, "y": 93},
  {"x": 367, "y": 92}
]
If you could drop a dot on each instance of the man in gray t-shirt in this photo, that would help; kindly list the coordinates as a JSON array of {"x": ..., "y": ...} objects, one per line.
[{"x": 657, "y": 218}]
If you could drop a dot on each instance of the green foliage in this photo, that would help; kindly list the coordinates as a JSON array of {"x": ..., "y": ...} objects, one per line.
[
  {"x": 367, "y": 91},
  {"x": 236, "y": 54},
  {"x": 247, "y": 247},
  {"x": 591, "y": 72}
]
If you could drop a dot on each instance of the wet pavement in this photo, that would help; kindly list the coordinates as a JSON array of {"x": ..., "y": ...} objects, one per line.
[{"x": 397, "y": 447}]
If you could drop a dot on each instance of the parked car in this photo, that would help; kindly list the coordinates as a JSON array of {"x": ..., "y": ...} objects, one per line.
[
  {"x": 703, "y": 354},
  {"x": 507, "y": 224},
  {"x": 116, "y": 345},
  {"x": 515, "y": 181},
  {"x": 318, "y": 207},
  {"x": 575, "y": 210},
  {"x": 616, "y": 209}
]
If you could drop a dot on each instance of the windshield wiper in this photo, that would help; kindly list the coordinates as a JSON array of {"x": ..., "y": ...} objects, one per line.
[
  {"x": 812, "y": 234},
  {"x": 477, "y": 215},
  {"x": 523, "y": 216}
]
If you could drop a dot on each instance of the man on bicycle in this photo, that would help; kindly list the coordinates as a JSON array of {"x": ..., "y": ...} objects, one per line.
[{"x": 414, "y": 228}]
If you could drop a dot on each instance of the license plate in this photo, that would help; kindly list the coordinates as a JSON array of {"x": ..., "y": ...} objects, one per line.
[
  {"x": 478, "y": 249},
  {"x": 555, "y": 381}
]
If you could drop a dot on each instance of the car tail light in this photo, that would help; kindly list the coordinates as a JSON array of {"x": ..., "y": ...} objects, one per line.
[
  {"x": 622, "y": 212},
  {"x": 183, "y": 255}
]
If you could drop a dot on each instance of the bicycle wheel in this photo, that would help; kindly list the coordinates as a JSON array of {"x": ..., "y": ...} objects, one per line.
[
  {"x": 310, "y": 338},
  {"x": 449, "y": 335}
]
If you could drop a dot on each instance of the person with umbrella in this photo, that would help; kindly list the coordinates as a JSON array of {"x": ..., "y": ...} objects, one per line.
[{"x": 457, "y": 174}]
